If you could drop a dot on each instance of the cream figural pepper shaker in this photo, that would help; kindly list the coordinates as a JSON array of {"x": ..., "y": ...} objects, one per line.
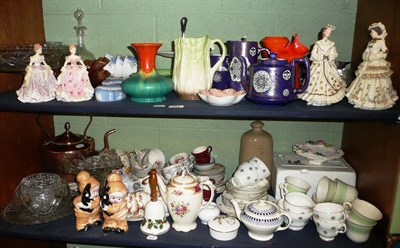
[
  {"x": 114, "y": 205},
  {"x": 39, "y": 82},
  {"x": 87, "y": 204}
]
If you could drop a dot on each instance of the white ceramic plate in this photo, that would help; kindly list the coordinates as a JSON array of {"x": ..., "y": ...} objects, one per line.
[{"x": 317, "y": 151}]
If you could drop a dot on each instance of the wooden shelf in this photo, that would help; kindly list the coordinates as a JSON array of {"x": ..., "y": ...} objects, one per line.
[
  {"x": 64, "y": 230},
  {"x": 296, "y": 110}
]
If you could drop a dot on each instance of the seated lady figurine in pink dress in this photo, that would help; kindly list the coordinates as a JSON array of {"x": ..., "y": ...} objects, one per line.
[
  {"x": 39, "y": 81},
  {"x": 73, "y": 84},
  {"x": 87, "y": 204},
  {"x": 372, "y": 89},
  {"x": 114, "y": 205}
]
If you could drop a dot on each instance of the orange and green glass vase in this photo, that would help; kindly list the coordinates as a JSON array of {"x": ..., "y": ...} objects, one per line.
[{"x": 147, "y": 86}]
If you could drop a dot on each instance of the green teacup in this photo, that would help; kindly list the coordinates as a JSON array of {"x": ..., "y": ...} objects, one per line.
[
  {"x": 294, "y": 184},
  {"x": 356, "y": 232}
]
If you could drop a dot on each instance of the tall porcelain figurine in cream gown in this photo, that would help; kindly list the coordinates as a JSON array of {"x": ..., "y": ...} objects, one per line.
[
  {"x": 372, "y": 89},
  {"x": 39, "y": 81},
  {"x": 326, "y": 86},
  {"x": 73, "y": 84}
]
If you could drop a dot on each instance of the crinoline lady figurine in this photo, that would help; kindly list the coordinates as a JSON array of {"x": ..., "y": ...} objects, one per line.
[
  {"x": 39, "y": 82},
  {"x": 73, "y": 82},
  {"x": 372, "y": 88},
  {"x": 114, "y": 205},
  {"x": 326, "y": 86},
  {"x": 87, "y": 204}
]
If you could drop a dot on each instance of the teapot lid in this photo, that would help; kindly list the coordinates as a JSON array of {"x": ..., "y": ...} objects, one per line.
[
  {"x": 68, "y": 138},
  {"x": 262, "y": 207},
  {"x": 273, "y": 61},
  {"x": 185, "y": 178}
]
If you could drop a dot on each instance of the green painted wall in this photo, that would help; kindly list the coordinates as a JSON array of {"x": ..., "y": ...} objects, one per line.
[{"x": 114, "y": 24}]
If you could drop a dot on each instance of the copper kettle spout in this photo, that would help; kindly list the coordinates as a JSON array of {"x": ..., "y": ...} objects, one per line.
[{"x": 106, "y": 144}]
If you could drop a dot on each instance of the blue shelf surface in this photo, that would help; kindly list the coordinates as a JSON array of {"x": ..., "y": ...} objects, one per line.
[
  {"x": 64, "y": 230},
  {"x": 296, "y": 110}
]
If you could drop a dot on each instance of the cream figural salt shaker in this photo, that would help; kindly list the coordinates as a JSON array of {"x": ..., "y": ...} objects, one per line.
[
  {"x": 372, "y": 89},
  {"x": 114, "y": 205},
  {"x": 39, "y": 82},
  {"x": 326, "y": 86},
  {"x": 87, "y": 204},
  {"x": 73, "y": 84}
]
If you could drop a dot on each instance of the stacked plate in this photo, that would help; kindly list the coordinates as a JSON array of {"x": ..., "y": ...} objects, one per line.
[
  {"x": 242, "y": 195},
  {"x": 217, "y": 173}
]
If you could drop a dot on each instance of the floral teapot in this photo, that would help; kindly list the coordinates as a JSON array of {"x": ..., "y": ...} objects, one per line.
[
  {"x": 272, "y": 81},
  {"x": 184, "y": 198},
  {"x": 262, "y": 218}
]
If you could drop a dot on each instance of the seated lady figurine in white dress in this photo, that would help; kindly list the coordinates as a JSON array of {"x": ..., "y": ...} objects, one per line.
[
  {"x": 39, "y": 82},
  {"x": 372, "y": 88},
  {"x": 73, "y": 84},
  {"x": 326, "y": 86}
]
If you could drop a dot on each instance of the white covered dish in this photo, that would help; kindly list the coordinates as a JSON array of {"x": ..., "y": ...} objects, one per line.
[{"x": 224, "y": 228}]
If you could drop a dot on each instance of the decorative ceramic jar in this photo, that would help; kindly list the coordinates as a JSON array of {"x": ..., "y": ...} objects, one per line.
[
  {"x": 262, "y": 218},
  {"x": 184, "y": 197},
  {"x": 272, "y": 81},
  {"x": 147, "y": 86}
]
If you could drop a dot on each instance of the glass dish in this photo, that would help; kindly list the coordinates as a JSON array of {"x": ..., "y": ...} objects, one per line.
[{"x": 15, "y": 57}]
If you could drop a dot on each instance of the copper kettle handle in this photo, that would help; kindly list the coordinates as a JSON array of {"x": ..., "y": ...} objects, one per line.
[{"x": 87, "y": 126}]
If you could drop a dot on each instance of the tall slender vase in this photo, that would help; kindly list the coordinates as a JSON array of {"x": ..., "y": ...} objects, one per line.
[{"x": 147, "y": 86}]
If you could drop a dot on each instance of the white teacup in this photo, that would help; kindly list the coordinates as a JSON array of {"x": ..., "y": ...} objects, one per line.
[
  {"x": 260, "y": 167},
  {"x": 299, "y": 220},
  {"x": 329, "y": 230},
  {"x": 125, "y": 158},
  {"x": 333, "y": 212},
  {"x": 171, "y": 171},
  {"x": 296, "y": 202},
  {"x": 245, "y": 175},
  {"x": 294, "y": 184},
  {"x": 180, "y": 158}
]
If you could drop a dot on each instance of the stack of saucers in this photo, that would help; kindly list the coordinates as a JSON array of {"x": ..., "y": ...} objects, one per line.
[
  {"x": 215, "y": 171},
  {"x": 242, "y": 195}
]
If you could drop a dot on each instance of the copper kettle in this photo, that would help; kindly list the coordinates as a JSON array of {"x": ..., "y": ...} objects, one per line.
[{"x": 68, "y": 146}]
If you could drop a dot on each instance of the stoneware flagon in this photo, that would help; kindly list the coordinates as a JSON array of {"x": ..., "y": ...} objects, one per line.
[
  {"x": 272, "y": 81},
  {"x": 147, "y": 86}
]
